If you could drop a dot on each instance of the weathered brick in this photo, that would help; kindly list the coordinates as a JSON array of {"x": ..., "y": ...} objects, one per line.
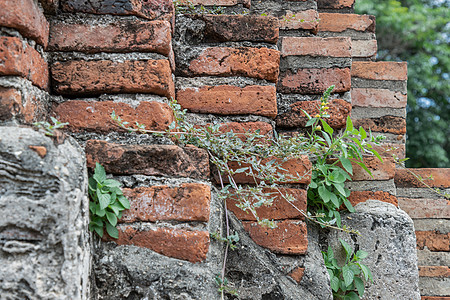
[
  {"x": 153, "y": 160},
  {"x": 187, "y": 202},
  {"x": 230, "y": 100},
  {"x": 316, "y": 46},
  {"x": 297, "y": 274},
  {"x": 378, "y": 98},
  {"x": 25, "y": 108},
  {"x": 96, "y": 116},
  {"x": 380, "y": 170},
  {"x": 420, "y": 208},
  {"x": 228, "y": 28},
  {"x": 334, "y": 22},
  {"x": 364, "y": 48},
  {"x": 237, "y": 127},
  {"x": 26, "y": 17},
  {"x": 259, "y": 63},
  {"x": 279, "y": 210},
  {"x": 245, "y": 3},
  {"x": 50, "y": 6},
  {"x": 335, "y": 4},
  {"x": 190, "y": 245},
  {"x": 389, "y": 149},
  {"x": 17, "y": 58},
  {"x": 388, "y": 124},
  {"x": 104, "y": 76},
  {"x": 362, "y": 196},
  {"x": 296, "y": 170},
  {"x": 120, "y": 36},
  {"x": 434, "y": 271},
  {"x": 433, "y": 240},
  {"x": 314, "y": 81},
  {"x": 380, "y": 70},
  {"x": 149, "y": 9},
  {"x": 40, "y": 150},
  {"x": 339, "y": 110},
  {"x": 289, "y": 237},
  {"x": 434, "y": 177},
  {"x": 305, "y": 20}
]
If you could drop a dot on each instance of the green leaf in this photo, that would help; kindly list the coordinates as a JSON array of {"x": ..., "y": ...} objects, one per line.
[
  {"x": 347, "y": 164},
  {"x": 310, "y": 122},
  {"x": 340, "y": 188},
  {"x": 374, "y": 152},
  {"x": 92, "y": 184},
  {"x": 327, "y": 128},
  {"x": 124, "y": 201},
  {"x": 112, "y": 231},
  {"x": 99, "y": 173},
  {"x": 116, "y": 208},
  {"x": 347, "y": 248},
  {"x": 313, "y": 185},
  {"x": 348, "y": 205},
  {"x": 366, "y": 272},
  {"x": 100, "y": 212},
  {"x": 327, "y": 138},
  {"x": 362, "y": 165},
  {"x": 349, "y": 124},
  {"x": 334, "y": 282},
  {"x": 111, "y": 183},
  {"x": 103, "y": 199},
  {"x": 324, "y": 193},
  {"x": 112, "y": 219},
  {"x": 334, "y": 200},
  {"x": 351, "y": 296},
  {"x": 348, "y": 275},
  {"x": 361, "y": 254},
  {"x": 362, "y": 132}
]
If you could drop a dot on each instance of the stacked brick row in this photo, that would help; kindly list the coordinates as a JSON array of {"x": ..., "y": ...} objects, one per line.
[
  {"x": 430, "y": 212},
  {"x": 24, "y": 81}
]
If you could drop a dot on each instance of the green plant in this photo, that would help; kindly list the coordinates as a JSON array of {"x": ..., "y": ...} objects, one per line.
[
  {"x": 346, "y": 282},
  {"x": 107, "y": 203},
  {"x": 49, "y": 129}
]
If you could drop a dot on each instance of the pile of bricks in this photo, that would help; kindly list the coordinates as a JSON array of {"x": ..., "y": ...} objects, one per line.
[{"x": 257, "y": 66}]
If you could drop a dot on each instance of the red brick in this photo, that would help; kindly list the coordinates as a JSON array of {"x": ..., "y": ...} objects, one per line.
[
  {"x": 389, "y": 149},
  {"x": 297, "y": 170},
  {"x": 190, "y": 245},
  {"x": 434, "y": 271},
  {"x": 335, "y": 4},
  {"x": 420, "y": 208},
  {"x": 25, "y": 108},
  {"x": 259, "y": 63},
  {"x": 152, "y": 160},
  {"x": 315, "y": 81},
  {"x": 10, "y": 103},
  {"x": 378, "y": 98},
  {"x": 279, "y": 210},
  {"x": 17, "y": 58},
  {"x": 246, "y": 3},
  {"x": 339, "y": 110},
  {"x": 120, "y": 36},
  {"x": 305, "y": 20},
  {"x": 434, "y": 177},
  {"x": 148, "y": 9},
  {"x": 316, "y": 46},
  {"x": 187, "y": 202},
  {"x": 380, "y": 70},
  {"x": 433, "y": 240},
  {"x": 247, "y": 127},
  {"x": 104, "y": 76},
  {"x": 341, "y": 22},
  {"x": 362, "y": 196},
  {"x": 388, "y": 124},
  {"x": 96, "y": 116},
  {"x": 380, "y": 170},
  {"x": 364, "y": 48},
  {"x": 297, "y": 274},
  {"x": 289, "y": 237},
  {"x": 230, "y": 28},
  {"x": 230, "y": 100},
  {"x": 26, "y": 17}
]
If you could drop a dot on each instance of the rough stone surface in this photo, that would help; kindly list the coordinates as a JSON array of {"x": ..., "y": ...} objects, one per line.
[
  {"x": 17, "y": 58},
  {"x": 44, "y": 242},
  {"x": 25, "y": 16},
  {"x": 149, "y": 9},
  {"x": 314, "y": 81},
  {"x": 387, "y": 234},
  {"x": 117, "y": 36},
  {"x": 230, "y": 100},
  {"x": 96, "y": 116},
  {"x": 153, "y": 160},
  {"x": 187, "y": 202},
  {"x": 435, "y": 286},
  {"x": 104, "y": 76},
  {"x": 339, "y": 110}
]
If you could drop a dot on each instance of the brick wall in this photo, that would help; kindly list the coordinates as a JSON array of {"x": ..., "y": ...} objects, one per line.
[{"x": 256, "y": 66}]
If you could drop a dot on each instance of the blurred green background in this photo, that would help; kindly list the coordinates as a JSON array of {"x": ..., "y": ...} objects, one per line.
[{"x": 418, "y": 32}]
